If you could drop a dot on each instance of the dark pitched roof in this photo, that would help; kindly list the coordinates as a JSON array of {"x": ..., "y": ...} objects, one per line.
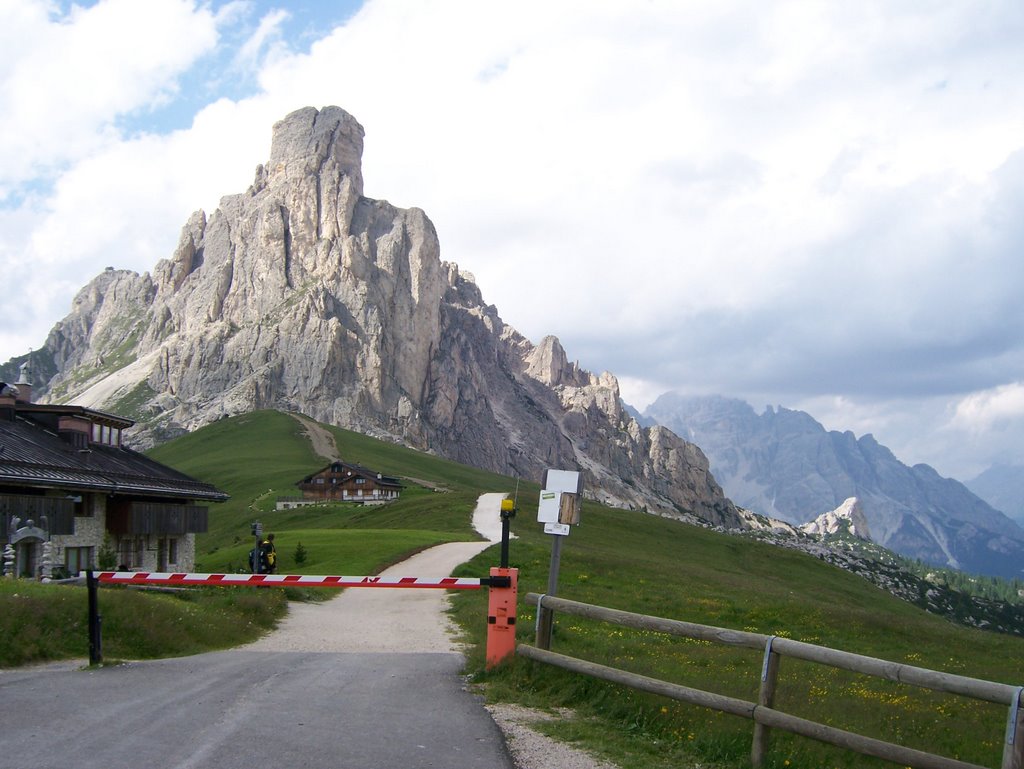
[
  {"x": 32, "y": 455},
  {"x": 357, "y": 470}
]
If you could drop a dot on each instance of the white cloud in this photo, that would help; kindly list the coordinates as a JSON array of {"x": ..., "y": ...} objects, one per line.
[
  {"x": 65, "y": 79},
  {"x": 996, "y": 409},
  {"x": 266, "y": 40}
]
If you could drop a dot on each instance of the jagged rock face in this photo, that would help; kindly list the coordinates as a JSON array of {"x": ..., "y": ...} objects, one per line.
[
  {"x": 302, "y": 294},
  {"x": 848, "y": 518},
  {"x": 785, "y": 465}
]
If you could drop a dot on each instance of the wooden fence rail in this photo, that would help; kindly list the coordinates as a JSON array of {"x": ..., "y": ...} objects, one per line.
[{"x": 761, "y": 712}]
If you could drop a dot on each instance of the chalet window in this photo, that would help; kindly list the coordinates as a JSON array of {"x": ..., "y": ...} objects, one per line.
[
  {"x": 106, "y": 435},
  {"x": 319, "y": 481},
  {"x": 124, "y": 552},
  {"x": 360, "y": 481},
  {"x": 131, "y": 550},
  {"x": 83, "y": 505},
  {"x": 77, "y": 559},
  {"x": 172, "y": 551}
]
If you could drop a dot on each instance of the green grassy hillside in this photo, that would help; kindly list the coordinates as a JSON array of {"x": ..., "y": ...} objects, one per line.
[
  {"x": 629, "y": 561},
  {"x": 260, "y": 456},
  {"x": 654, "y": 566}
]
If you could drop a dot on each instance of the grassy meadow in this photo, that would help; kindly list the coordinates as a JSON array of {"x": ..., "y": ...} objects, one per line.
[
  {"x": 620, "y": 559},
  {"x": 45, "y": 622},
  {"x": 663, "y": 568}
]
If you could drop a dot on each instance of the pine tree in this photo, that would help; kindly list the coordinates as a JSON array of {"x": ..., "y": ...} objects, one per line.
[
  {"x": 106, "y": 558},
  {"x": 300, "y": 554}
]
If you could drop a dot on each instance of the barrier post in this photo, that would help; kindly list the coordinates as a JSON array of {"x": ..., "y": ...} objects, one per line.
[
  {"x": 501, "y": 616},
  {"x": 95, "y": 620}
]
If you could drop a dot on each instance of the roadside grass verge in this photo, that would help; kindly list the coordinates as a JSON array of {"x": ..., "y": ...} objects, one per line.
[
  {"x": 665, "y": 568},
  {"x": 331, "y": 551},
  {"x": 48, "y": 622}
]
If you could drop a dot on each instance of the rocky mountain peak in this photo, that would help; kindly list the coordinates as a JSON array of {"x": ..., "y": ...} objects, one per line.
[
  {"x": 548, "y": 363},
  {"x": 304, "y": 295}
]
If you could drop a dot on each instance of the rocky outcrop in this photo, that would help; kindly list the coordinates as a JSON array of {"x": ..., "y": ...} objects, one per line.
[
  {"x": 784, "y": 464},
  {"x": 303, "y": 294},
  {"x": 848, "y": 518}
]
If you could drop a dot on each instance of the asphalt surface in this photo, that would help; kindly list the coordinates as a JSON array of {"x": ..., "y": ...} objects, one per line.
[{"x": 245, "y": 710}]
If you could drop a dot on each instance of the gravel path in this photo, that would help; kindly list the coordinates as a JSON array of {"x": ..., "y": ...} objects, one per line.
[{"x": 399, "y": 620}]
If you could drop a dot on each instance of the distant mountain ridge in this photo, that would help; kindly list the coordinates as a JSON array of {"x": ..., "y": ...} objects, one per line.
[
  {"x": 302, "y": 294},
  {"x": 1002, "y": 486},
  {"x": 784, "y": 464}
]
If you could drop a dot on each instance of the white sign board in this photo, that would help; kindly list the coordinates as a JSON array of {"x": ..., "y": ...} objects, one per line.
[
  {"x": 560, "y": 498},
  {"x": 547, "y": 510},
  {"x": 568, "y": 481},
  {"x": 562, "y": 529}
]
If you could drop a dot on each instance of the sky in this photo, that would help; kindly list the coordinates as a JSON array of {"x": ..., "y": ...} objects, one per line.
[{"x": 815, "y": 205}]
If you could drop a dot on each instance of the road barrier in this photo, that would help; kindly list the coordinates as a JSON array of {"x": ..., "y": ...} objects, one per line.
[
  {"x": 289, "y": 580},
  {"x": 501, "y": 612},
  {"x": 761, "y": 712}
]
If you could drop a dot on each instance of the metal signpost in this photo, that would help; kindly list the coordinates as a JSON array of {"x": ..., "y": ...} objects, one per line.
[
  {"x": 558, "y": 510},
  {"x": 257, "y": 532}
]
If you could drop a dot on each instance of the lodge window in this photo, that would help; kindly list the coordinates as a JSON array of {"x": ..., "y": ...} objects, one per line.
[
  {"x": 172, "y": 551},
  {"x": 360, "y": 481},
  {"x": 131, "y": 551},
  {"x": 83, "y": 505},
  {"x": 105, "y": 434},
  {"x": 124, "y": 552},
  {"x": 77, "y": 559}
]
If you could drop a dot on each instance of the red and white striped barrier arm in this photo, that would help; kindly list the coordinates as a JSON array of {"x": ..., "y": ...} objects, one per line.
[{"x": 284, "y": 580}]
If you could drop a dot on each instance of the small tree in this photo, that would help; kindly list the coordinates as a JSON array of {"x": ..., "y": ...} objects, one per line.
[
  {"x": 300, "y": 554},
  {"x": 106, "y": 558}
]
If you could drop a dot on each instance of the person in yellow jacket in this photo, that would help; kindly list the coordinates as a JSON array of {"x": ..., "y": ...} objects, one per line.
[{"x": 268, "y": 555}]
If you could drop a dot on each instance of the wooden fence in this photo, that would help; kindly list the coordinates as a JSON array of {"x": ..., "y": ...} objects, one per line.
[{"x": 761, "y": 712}]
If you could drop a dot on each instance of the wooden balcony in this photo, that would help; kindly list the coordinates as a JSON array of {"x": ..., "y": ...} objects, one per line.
[
  {"x": 58, "y": 512},
  {"x": 157, "y": 518}
]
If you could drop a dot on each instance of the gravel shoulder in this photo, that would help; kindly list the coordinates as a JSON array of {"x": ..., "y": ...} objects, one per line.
[{"x": 403, "y": 620}]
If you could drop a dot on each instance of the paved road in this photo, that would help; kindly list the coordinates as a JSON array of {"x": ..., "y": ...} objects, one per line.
[{"x": 247, "y": 710}]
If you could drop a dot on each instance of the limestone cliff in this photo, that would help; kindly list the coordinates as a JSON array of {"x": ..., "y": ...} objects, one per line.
[{"x": 303, "y": 294}]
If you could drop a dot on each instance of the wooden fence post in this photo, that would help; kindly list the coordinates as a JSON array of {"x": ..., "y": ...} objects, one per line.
[
  {"x": 1013, "y": 749},
  {"x": 765, "y": 698}
]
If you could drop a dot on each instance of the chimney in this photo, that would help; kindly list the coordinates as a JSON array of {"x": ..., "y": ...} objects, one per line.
[
  {"x": 8, "y": 397},
  {"x": 24, "y": 383}
]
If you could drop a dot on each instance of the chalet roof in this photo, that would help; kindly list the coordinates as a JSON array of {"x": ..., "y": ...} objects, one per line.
[
  {"x": 356, "y": 470},
  {"x": 33, "y": 455},
  {"x": 40, "y": 412}
]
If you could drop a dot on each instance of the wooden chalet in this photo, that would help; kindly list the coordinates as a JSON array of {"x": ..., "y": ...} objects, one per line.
[
  {"x": 67, "y": 482},
  {"x": 346, "y": 482}
]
